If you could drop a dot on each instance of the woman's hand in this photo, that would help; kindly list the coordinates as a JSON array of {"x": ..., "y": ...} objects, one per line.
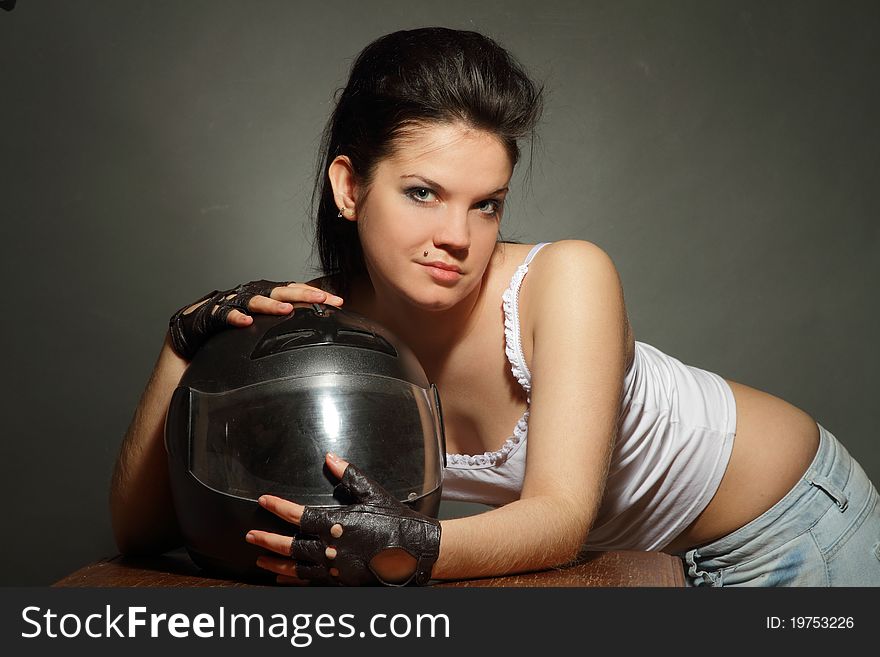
[
  {"x": 193, "y": 324},
  {"x": 377, "y": 539}
]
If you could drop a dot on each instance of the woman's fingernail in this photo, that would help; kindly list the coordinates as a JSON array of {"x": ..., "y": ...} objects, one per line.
[
  {"x": 333, "y": 457},
  {"x": 262, "y": 500},
  {"x": 250, "y": 538}
]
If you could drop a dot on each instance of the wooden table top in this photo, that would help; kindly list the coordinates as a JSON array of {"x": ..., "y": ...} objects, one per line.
[{"x": 594, "y": 569}]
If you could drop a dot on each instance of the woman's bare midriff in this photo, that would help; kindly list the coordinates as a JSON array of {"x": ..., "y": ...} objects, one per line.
[{"x": 774, "y": 445}]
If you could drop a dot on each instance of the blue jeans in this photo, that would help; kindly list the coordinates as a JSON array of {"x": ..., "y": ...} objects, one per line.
[{"x": 824, "y": 532}]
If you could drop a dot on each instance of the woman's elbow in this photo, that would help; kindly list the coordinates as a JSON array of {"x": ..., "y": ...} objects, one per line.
[
  {"x": 568, "y": 533},
  {"x": 135, "y": 537}
]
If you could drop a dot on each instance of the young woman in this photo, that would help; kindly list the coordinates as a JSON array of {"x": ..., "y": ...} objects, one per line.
[{"x": 575, "y": 433}]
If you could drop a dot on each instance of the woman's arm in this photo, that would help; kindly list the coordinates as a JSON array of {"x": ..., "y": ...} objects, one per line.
[
  {"x": 575, "y": 322},
  {"x": 141, "y": 508}
]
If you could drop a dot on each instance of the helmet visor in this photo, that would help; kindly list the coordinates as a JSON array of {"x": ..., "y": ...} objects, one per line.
[{"x": 272, "y": 437}]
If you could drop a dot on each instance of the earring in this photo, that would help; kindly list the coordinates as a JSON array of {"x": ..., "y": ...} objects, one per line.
[{"x": 339, "y": 216}]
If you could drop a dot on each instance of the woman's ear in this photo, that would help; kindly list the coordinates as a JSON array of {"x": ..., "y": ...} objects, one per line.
[{"x": 344, "y": 184}]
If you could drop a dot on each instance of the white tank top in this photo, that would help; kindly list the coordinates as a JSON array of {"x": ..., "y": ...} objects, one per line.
[{"x": 676, "y": 436}]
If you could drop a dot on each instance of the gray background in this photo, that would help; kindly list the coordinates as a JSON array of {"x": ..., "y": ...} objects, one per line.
[{"x": 724, "y": 153}]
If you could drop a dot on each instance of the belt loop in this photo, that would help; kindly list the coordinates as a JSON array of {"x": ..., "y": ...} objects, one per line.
[{"x": 831, "y": 490}]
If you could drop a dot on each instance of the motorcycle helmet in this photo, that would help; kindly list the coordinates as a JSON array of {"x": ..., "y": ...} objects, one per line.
[{"x": 259, "y": 407}]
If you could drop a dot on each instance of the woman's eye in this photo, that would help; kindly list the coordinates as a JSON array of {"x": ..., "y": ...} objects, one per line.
[
  {"x": 422, "y": 194},
  {"x": 490, "y": 206}
]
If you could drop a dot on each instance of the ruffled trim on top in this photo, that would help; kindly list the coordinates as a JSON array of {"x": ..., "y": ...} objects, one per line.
[
  {"x": 491, "y": 459},
  {"x": 512, "y": 340}
]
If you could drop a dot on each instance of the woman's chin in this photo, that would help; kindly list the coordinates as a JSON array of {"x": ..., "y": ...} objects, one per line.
[
  {"x": 435, "y": 305},
  {"x": 435, "y": 300}
]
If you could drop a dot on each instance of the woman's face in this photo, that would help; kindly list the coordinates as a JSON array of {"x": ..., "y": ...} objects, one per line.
[{"x": 440, "y": 193}]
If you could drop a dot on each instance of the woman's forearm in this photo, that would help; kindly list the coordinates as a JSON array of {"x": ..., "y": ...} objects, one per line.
[
  {"x": 141, "y": 505},
  {"x": 530, "y": 534}
]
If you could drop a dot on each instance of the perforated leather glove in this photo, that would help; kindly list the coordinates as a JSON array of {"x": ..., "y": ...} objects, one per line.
[
  {"x": 374, "y": 523},
  {"x": 190, "y": 331}
]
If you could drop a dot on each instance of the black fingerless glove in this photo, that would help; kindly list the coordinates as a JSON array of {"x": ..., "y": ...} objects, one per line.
[
  {"x": 190, "y": 332},
  {"x": 374, "y": 523}
]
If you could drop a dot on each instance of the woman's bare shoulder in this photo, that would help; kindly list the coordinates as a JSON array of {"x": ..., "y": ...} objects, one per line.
[
  {"x": 555, "y": 264},
  {"x": 571, "y": 249},
  {"x": 564, "y": 262},
  {"x": 578, "y": 275}
]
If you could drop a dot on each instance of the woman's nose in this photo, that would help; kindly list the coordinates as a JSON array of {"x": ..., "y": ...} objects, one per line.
[{"x": 454, "y": 230}]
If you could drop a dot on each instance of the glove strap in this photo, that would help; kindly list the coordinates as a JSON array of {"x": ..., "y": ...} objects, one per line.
[{"x": 427, "y": 560}]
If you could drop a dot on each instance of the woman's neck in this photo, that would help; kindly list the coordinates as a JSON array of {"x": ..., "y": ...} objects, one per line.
[{"x": 430, "y": 334}]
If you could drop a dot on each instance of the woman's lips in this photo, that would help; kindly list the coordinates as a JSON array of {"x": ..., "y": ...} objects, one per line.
[{"x": 441, "y": 272}]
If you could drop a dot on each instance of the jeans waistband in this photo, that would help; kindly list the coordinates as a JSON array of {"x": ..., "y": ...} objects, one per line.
[{"x": 827, "y": 476}]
